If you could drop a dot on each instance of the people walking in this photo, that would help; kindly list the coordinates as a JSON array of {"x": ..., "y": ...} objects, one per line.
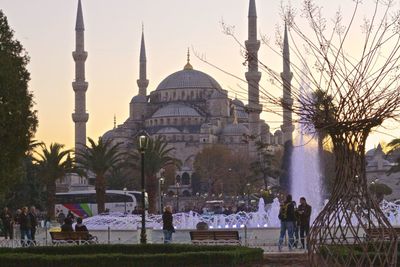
[
  {"x": 286, "y": 215},
  {"x": 61, "y": 217},
  {"x": 25, "y": 226},
  {"x": 168, "y": 227},
  {"x": 34, "y": 222},
  {"x": 7, "y": 220},
  {"x": 304, "y": 211}
]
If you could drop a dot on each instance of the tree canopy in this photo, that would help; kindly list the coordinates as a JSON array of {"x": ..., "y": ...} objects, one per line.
[{"x": 18, "y": 120}]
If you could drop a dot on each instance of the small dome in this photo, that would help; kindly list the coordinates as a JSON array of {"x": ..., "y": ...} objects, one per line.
[
  {"x": 189, "y": 78},
  {"x": 176, "y": 110},
  {"x": 108, "y": 135},
  {"x": 370, "y": 153},
  {"x": 237, "y": 102},
  {"x": 168, "y": 130},
  {"x": 139, "y": 99},
  {"x": 235, "y": 129}
]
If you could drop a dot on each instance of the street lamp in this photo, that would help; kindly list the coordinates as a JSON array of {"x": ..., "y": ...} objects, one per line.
[
  {"x": 125, "y": 189},
  {"x": 161, "y": 186},
  {"x": 177, "y": 197},
  {"x": 143, "y": 142},
  {"x": 248, "y": 195}
]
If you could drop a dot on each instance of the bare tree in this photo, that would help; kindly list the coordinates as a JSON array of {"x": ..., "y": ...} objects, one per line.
[{"x": 362, "y": 85}]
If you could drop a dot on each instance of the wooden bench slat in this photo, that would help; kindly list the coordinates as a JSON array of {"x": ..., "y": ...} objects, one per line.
[{"x": 215, "y": 237}]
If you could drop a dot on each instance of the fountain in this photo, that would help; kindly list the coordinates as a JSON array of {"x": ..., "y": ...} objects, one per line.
[
  {"x": 305, "y": 173},
  {"x": 263, "y": 218}
]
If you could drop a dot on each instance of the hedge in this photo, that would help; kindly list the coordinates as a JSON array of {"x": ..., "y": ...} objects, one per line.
[
  {"x": 353, "y": 254},
  {"x": 131, "y": 256}
]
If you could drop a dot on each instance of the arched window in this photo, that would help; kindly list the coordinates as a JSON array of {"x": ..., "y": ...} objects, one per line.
[{"x": 185, "y": 178}]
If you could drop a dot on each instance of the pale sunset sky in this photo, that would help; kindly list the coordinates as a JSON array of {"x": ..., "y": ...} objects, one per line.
[{"x": 112, "y": 40}]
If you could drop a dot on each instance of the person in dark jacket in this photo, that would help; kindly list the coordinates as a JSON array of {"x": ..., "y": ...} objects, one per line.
[
  {"x": 71, "y": 216},
  {"x": 79, "y": 226},
  {"x": 168, "y": 227},
  {"x": 34, "y": 222},
  {"x": 25, "y": 226},
  {"x": 67, "y": 226},
  {"x": 304, "y": 212},
  {"x": 7, "y": 220},
  {"x": 287, "y": 217}
]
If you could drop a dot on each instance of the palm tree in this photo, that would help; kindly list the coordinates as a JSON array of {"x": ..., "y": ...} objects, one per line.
[
  {"x": 157, "y": 156},
  {"x": 99, "y": 159},
  {"x": 53, "y": 164},
  {"x": 394, "y": 145}
]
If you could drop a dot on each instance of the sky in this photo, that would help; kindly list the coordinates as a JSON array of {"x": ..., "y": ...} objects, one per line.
[{"x": 112, "y": 39}]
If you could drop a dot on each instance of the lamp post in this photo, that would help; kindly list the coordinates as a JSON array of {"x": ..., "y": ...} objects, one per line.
[
  {"x": 161, "y": 186},
  {"x": 248, "y": 195},
  {"x": 177, "y": 197},
  {"x": 143, "y": 142},
  {"x": 125, "y": 189}
]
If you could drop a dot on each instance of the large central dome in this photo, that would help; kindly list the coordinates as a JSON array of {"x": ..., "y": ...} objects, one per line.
[{"x": 189, "y": 78}]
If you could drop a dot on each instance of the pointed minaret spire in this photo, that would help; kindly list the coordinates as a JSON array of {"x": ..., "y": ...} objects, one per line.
[
  {"x": 253, "y": 77},
  {"x": 188, "y": 66},
  {"x": 142, "y": 82},
  {"x": 79, "y": 26},
  {"x": 80, "y": 117},
  {"x": 115, "y": 121},
  {"x": 287, "y": 126}
]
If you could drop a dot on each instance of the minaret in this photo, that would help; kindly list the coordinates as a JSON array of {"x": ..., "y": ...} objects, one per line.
[
  {"x": 80, "y": 117},
  {"x": 287, "y": 127},
  {"x": 253, "y": 77},
  {"x": 142, "y": 82}
]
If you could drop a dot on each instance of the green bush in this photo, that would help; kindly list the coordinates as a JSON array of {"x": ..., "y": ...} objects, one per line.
[{"x": 131, "y": 256}]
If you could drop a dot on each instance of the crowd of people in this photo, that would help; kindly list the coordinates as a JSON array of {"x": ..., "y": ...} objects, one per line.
[
  {"x": 26, "y": 220},
  {"x": 295, "y": 221}
]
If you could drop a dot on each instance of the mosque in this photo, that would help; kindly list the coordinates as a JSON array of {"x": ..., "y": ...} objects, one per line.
[{"x": 189, "y": 109}]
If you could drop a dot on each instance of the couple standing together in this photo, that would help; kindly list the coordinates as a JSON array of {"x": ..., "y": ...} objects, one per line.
[{"x": 294, "y": 219}]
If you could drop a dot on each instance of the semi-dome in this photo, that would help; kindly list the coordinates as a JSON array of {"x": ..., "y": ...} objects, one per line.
[
  {"x": 235, "y": 129},
  {"x": 139, "y": 99},
  {"x": 175, "y": 110},
  {"x": 189, "y": 78}
]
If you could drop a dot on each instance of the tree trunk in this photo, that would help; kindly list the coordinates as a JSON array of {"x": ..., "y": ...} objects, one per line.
[
  {"x": 151, "y": 188},
  {"x": 51, "y": 193},
  {"x": 350, "y": 213},
  {"x": 100, "y": 193}
]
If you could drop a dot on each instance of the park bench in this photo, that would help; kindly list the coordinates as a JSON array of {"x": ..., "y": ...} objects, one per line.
[
  {"x": 72, "y": 237},
  {"x": 372, "y": 233},
  {"x": 215, "y": 237}
]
